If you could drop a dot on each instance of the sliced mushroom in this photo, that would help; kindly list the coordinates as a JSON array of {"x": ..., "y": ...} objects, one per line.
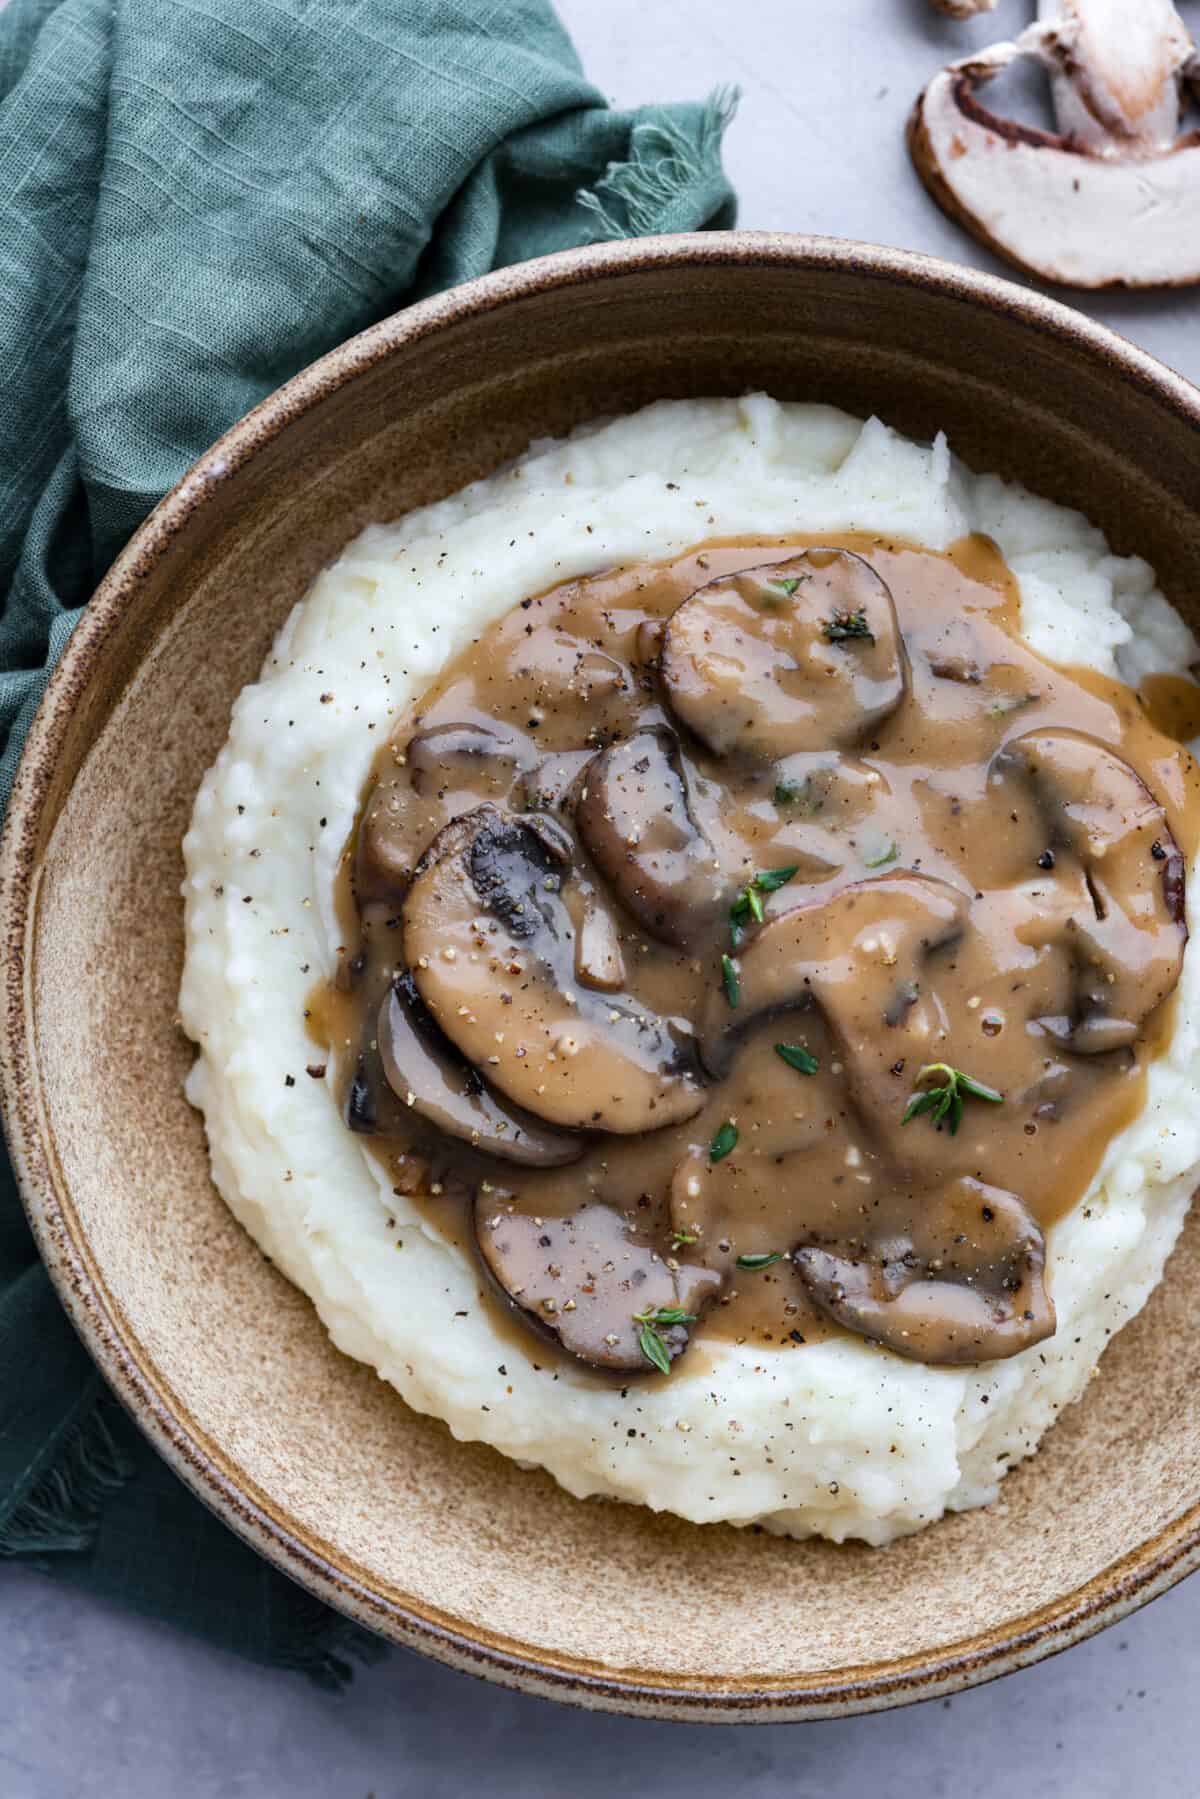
[
  {"x": 551, "y": 785},
  {"x": 584, "y": 1279},
  {"x": 427, "y": 1073},
  {"x": 1110, "y": 200},
  {"x": 442, "y": 755},
  {"x": 634, "y": 816},
  {"x": 847, "y": 955},
  {"x": 488, "y": 936},
  {"x": 790, "y": 656},
  {"x": 861, "y": 958},
  {"x": 1125, "y": 934},
  {"x": 966, "y": 1284},
  {"x": 446, "y": 764},
  {"x": 370, "y": 1107}
]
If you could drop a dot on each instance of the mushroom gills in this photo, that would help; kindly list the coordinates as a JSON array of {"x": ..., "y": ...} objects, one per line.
[
  {"x": 635, "y": 818},
  {"x": 966, "y": 1284},
  {"x": 804, "y": 654},
  {"x": 584, "y": 1279},
  {"x": 429, "y": 1076},
  {"x": 489, "y": 938}
]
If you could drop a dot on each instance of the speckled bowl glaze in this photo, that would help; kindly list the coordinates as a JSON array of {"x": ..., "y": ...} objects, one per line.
[{"x": 443, "y": 1546}]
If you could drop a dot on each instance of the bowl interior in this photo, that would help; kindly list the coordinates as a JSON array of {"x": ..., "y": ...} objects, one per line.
[{"x": 436, "y": 1542}]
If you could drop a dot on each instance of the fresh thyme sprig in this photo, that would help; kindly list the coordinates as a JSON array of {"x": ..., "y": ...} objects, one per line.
[
  {"x": 946, "y": 1099},
  {"x": 651, "y": 1325},
  {"x": 748, "y": 903}
]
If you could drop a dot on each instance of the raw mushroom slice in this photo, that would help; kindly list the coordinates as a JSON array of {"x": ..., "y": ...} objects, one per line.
[
  {"x": 860, "y": 958},
  {"x": 427, "y": 1073},
  {"x": 789, "y": 656},
  {"x": 583, "y": 1279},
  {"x": 1112, "y": 199},
  {"x": 465, "y": 760},
  {"x": 1126, "y": 943},
  {"x": 488, "y": 936},
  {"x": 634, "y": 817},
  {"x": 967, "y": 1284}
]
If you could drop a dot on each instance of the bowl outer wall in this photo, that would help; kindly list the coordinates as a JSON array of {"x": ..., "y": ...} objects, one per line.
[{"x": 448, "y": 1547}]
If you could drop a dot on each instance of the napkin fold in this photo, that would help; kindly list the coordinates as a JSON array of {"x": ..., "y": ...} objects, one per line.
[{"x": 195, "y": 201}]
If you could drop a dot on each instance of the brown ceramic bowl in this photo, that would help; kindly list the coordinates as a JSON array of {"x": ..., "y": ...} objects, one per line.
[{"x": 445, "y": 1547}]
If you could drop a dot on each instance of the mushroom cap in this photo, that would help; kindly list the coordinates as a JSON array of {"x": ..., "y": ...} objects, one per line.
[
  {"x": 427, "y": 1073},
  {"x": 789, "y": 656},
  {"x": 1089, "y": 211},
  {"x": 581, "y": 1279},
  {"x": 634, "y": 817},
  {"x": 488, "y": 936},
  {"x": 967, "y": 1285}
]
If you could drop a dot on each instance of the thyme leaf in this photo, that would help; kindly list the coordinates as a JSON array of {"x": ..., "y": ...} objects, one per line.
[
  {"x": 748, "y": 904},
  {"x": 752, "y": 1264},
  {"x": 651, "y": 1325},
  {"x": 797, "y": 1057},
  {"x": 729, "y": 980},
  {"x": 846, "y": 625},
  {"x": 723, "y": 1143}
]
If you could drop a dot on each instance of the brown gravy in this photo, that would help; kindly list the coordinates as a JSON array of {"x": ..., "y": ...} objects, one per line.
[{"x": 950, "y": 904}]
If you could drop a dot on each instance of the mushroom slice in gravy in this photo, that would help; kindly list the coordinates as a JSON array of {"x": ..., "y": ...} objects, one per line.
[
  {"x": 488, "y": 936},
  {"x": 790, "y": 656},
  {"x": 858, "y": 956},
  {"x": 1126, "y": 942},
  {"x": 477, "y": 761},
  {"x": 634, "y": 816},
  {"x": 964, "y": 1284},
  {"x": 590, "y": 1281},
  {"x": 426, "y": 1072}
]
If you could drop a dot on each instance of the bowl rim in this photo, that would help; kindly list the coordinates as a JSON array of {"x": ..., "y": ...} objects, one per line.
[{"x": 1149, "y": 1569}]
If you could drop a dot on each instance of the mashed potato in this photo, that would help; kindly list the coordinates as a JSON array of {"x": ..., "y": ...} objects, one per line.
[{"x": 837, "y": 1438}]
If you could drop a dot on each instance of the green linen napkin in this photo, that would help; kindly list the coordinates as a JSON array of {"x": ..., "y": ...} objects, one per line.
[{"x": 196, "y": 199}]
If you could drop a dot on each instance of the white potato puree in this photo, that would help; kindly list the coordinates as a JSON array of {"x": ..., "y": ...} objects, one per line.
[{"x": 838, "y": 1437}]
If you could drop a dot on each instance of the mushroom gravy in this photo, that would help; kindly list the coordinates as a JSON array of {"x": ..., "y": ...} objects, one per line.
[{"x": 681, "y": 904}]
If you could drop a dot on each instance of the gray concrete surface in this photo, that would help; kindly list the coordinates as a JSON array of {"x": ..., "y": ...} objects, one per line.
[{"x": 95, "y": 1705}]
